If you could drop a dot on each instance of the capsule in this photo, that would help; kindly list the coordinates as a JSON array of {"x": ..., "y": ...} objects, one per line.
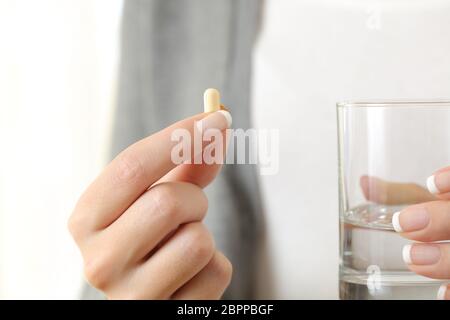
[{"x": 211, "y": 100}]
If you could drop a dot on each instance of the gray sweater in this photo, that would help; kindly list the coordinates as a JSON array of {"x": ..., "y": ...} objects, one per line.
[{"x": 171, "y": 50}]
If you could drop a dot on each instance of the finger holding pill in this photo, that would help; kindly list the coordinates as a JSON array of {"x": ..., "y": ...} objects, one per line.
[{"x": 139, "y": 224}]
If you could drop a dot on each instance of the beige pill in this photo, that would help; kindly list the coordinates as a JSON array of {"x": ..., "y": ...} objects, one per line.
[{"x": 211, "y": 100}]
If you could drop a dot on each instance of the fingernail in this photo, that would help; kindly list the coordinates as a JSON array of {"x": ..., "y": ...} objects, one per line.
[
  {"x": 442, "y": 292},
  {"x": 431, "y": 185},
  {"x": 439, "y": 182},
  {"x": 396, "y": 222},
  {"x": 227, "y": 116},
  {"x": 220, "y": 120},
  {"x": 411, "y": 219},
  {"x": 420, "y": 254},
  {"x": 406, "y": 254}
]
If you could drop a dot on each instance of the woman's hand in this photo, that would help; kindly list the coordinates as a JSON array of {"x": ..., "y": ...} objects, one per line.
[
  {"x": 429, "y": 223},
  {"x": 139, "y": 224}
]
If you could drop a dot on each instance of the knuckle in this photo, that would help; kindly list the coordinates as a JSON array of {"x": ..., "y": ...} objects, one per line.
[
  {"x": 203, "y": 200},
  {"x": 98, "y": 272},
  {"x": 75, "y": 226},
  {"x": 77, "y": 223},
  {"x": 166, "y": 200},
  {"x": 72, "y": 226},
  {"x": 198, "y": 196},
  {"x": 222, "y": 268},
  {"x": 129, "y": 167},
  {"x": 200, "y": 243}
]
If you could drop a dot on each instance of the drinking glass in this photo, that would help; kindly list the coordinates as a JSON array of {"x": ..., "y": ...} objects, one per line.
[{"x": 386, "y": 152}]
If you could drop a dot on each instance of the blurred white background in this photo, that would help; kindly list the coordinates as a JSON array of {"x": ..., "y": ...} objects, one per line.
[{"x": 57, "y": 79}]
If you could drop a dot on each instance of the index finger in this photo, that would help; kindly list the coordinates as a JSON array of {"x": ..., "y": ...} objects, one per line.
[{"x": 135, "y": 169}]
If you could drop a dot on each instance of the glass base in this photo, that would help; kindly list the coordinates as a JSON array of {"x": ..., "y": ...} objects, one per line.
[{"x": 386, "y": 286}]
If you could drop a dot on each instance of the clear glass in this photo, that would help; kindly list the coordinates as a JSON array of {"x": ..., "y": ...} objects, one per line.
[{"x": 386, "y": 152}]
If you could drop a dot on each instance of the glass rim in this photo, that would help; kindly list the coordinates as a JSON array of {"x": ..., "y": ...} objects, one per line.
[{"x": 392, "y": 103}]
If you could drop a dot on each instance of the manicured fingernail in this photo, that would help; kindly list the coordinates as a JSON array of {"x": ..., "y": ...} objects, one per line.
[
  {"x": 411, "y": 219},
  {"x": 431, "y": 185},
  {"x": 406, "y": 254},
  {"x": 439, "y": 182},
  {"x": 442, "y": 292},
  {"x": 219, "y": 120},
  {"x": 396, "y": 222},
  {"x": 421, "y": 254}
]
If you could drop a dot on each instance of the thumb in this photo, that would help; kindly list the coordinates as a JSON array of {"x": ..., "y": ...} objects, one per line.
[
  {"x": 213, "y": 150},
  {"x": 201, "y": 174}
]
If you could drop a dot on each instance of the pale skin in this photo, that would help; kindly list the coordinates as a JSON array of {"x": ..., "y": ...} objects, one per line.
[
  {"x": 140, "y": 231},
  {"x": 139, "y": 225},
  {"x": 427, "y": 222}
]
